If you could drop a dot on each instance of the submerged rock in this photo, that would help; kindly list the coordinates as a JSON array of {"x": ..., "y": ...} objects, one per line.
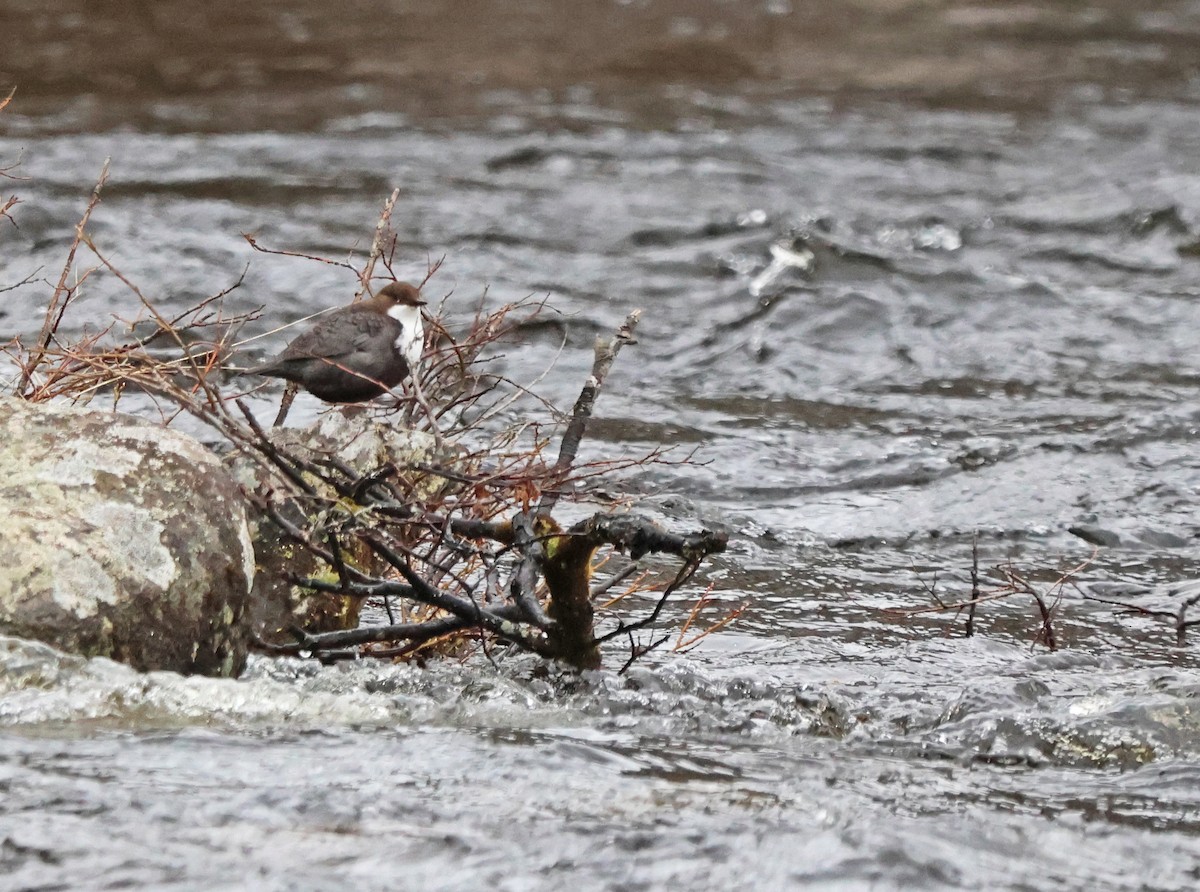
[{"x": 120, "y": 538}]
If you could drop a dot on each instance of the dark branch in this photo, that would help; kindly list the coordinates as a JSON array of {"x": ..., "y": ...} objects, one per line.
[
  {"x": 606, "y": 353},
  {"x": 418, "y": 631},
  {"x": 524, "y": 579}
]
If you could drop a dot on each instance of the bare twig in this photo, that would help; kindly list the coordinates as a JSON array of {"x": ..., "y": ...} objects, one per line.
[
  {"x": 1048, "y": 601},
  {"x": 623, "y": 628},
  {"x": 61, "y": 299},
  {"x": 608, "y": 585},
  {"x": 637, "y": 651},
  {"x": 364, "y": 278},
  {"x": 257, "y": 247},
  {"x": 974, "y": 583},
  {"x": 1176, "y": 618},
  {"x": 683, "y": 644}
]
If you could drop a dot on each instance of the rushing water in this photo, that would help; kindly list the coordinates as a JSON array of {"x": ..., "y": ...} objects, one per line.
[{"x": 908, "y": 276}]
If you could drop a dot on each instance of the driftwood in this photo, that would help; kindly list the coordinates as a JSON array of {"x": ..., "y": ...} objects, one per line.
[
  {"x": 563, "y": 630},
  {"x": 567, "y": 633}
]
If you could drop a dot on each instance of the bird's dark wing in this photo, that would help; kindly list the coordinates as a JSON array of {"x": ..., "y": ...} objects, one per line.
[{"x": 343, "y": 334}]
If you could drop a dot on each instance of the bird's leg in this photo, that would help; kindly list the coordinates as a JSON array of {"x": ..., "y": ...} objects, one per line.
[{"x": 289, "y": 397}]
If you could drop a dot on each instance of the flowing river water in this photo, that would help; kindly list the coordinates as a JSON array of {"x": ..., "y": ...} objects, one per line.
[{"x": 913, "y": 273}]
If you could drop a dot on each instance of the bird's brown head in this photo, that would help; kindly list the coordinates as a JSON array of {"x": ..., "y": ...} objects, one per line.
[{"x": 399, "y": 294}]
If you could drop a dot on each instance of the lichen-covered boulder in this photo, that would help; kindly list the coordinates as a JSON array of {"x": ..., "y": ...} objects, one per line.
[{"x": 120, "y": 538}]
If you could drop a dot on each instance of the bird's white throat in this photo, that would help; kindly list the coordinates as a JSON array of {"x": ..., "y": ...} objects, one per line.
[{"x": 410, "y": 343}]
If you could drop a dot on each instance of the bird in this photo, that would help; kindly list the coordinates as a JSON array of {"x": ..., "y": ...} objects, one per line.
[{"x": 357, "y": 352}]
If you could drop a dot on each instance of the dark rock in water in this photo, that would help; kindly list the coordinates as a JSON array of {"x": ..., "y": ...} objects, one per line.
[
  {"x": 1132, "y": 538},
  {"x": 120, "y": 538},
  {"x": 1095, "y": 535},
  {"x": 278, "y": 606}
]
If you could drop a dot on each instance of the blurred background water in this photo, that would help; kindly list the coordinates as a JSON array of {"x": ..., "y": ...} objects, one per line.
[{"x": 911, "y": 272}]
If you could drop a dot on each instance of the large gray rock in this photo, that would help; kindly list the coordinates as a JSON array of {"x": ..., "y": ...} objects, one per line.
[{"x": 120, "y": 538}]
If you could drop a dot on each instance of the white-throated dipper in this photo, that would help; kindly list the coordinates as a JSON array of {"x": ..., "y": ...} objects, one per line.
[{"x": 357, "y": 352}]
